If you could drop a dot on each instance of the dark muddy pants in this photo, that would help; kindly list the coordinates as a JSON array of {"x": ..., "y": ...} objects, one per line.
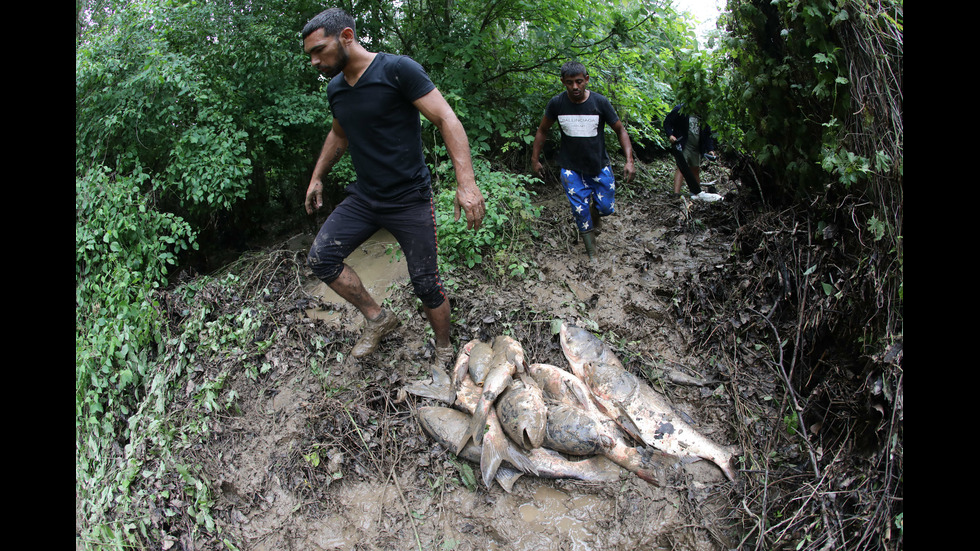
[
  {"x": 685, "y": 168},
  {"x": 356, "y": 219}
]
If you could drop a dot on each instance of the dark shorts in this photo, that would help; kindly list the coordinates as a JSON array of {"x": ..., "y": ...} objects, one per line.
[{"x": 356, "y": 219}]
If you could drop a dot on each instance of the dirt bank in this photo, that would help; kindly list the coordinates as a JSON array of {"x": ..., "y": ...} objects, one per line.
[{"x": 318, "y": 455}]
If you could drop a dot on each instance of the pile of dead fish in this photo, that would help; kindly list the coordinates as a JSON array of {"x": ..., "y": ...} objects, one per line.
[{"x": 516, "y": 418}]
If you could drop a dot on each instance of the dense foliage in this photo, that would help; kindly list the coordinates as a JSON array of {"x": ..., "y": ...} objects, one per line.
[
  {"x": 807, "y": 94},
  {"x": 197, "y": 123}
]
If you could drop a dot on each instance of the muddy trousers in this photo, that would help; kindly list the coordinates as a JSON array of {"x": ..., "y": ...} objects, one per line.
[
  {"x": 583, "y": 191},
  {"x": 356, "y": 219}
]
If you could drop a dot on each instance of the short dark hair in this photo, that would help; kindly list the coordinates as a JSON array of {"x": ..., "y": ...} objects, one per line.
[
  {"x": 332, "y": 21},
  {"x": 572, "y": 68}
]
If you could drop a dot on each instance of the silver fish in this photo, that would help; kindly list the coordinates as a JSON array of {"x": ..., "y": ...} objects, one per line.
[
  {"x": 510, "y": 350},
  {"x": 522, "y": 413},
  {"x": 577, "y": 426},
  {"x": 635, "y": 406},
  {"x": 481, "y": 357},
  {"x": 546, "y": 463},
  {"x": 495, "y": 446},
  {"x": 447, "y": 426},
  {"x": 559, "y": 385},
  {"x": 461, "y": 367},
  {"x": 498, "y": 379}
]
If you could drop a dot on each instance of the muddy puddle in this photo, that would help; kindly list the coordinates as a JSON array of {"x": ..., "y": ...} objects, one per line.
[
  {"x": 378, "y": 265},
  {"x": 322, "y": 456}
]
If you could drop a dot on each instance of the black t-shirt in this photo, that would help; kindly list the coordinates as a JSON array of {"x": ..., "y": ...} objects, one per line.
[
  {"x": 383, "y": 128},
  {"x": 583, "y": 146}
]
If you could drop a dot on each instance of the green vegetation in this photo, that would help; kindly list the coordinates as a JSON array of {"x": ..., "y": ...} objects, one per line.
[
  {"x": 197, "y": 123},
  {"x": 505, "y": 229}
]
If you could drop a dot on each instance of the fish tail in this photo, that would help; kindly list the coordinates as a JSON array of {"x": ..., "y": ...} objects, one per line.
[
  {"x": 490, "y": 458},
  {"x": 506, "y": 477},
  {"x": 478, "y": 424},
  {"x": 725, "y": 463}
]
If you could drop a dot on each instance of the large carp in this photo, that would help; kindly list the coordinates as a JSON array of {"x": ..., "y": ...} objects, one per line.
[
  {"x": 522, "y": 413},
  {"x": 576, "y": 426},
  {"x": 445, "y": 425},
  {"x": 635, "y": 406},
  {"x": 462, "y": 365},
  {"x": 507, "y": 360},
  {"x": 481, "y": 358}
]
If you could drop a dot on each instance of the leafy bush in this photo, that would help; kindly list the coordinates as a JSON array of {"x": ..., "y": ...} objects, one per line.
[
  {"x": 505, "y": 228},
  {"x": 124, "y": 249}
]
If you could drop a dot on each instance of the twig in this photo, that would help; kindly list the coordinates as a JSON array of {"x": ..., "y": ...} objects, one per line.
[
  {"x": 802, "y": 432},
  {"x": 401, "y": 495}
]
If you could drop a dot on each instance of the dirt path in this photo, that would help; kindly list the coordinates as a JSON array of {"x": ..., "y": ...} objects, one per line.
[{"x": 320, "y": 456}]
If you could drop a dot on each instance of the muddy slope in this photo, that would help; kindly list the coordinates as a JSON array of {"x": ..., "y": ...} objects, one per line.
[{"x": 318, "y": 454}]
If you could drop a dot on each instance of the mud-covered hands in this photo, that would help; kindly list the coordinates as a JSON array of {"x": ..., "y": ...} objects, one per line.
[
  {"x": 314, "y": 196},
  {"x": 629, "y": 171},
  {"x": 537, "y": 168},
  {"x": 470, "y": 200}
]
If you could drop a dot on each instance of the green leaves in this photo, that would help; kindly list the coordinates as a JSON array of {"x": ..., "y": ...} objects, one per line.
[{"x": 505, "y": 227}]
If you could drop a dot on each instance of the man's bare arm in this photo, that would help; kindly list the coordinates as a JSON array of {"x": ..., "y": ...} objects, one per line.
[
  {"x": 629, "y": 171},
  {"x": 333, "y": 149},
  {"x": 468, "y": 196}
]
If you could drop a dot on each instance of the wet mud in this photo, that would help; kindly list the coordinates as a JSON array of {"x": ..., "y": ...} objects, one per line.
[{"x": 320, "y": 455}]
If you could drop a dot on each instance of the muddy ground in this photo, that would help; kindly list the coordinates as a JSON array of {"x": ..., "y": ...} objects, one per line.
[{"x": 317, "y": 454}]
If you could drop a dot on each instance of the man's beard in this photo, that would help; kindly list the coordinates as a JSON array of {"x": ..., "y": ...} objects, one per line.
[{"x": 335, "y": 70}]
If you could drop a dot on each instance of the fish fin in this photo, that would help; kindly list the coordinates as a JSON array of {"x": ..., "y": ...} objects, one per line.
[
  {"x": 520, "y": 461},
  {"x": 478, "y": 424},
  {"x": 506, "y": 477},
  {"x": 490, "y": 459},
  {"x": 580, "y": 393},
  {"x": 443, "y": 393},
  {"x": 631, "y": 428}
]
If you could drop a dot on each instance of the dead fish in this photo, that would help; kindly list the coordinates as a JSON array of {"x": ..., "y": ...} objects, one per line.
[
  {"x": 447, "y": 426},
  {"x": 495, "y": 445},
  {"x": 580, "y": 346},
  {"x": 541, "y": 462},
  {"x": 574, "y": 431},
  {"x": 635, "y": 406},
  {"x": 498, "y": 379},
  {"x": 481, "y": 357},
  {"x": 559, "y": 385},
  {"x": 551, "y": 464},
  {"x": 461, "y": 367},
  {"x": 522, "y": 413},
  {"x": 508, "y": 349}
]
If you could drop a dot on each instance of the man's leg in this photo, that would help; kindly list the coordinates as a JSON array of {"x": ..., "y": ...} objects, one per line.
[
  {"x": 684, "y": 168},
  {"x": 348, "y": 285},
  {"x": 579, "y": 197},
  {"x": 603, "y": 194},
  {"x": 349, "y": 225},
  {"x": 414, "y": 228},
  {"x": 439, "y": 319}
]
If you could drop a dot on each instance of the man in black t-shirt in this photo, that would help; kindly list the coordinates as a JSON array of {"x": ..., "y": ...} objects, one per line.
[
  {"x": 586, "y": 175},
  {"x": 376, "y": 99}
]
